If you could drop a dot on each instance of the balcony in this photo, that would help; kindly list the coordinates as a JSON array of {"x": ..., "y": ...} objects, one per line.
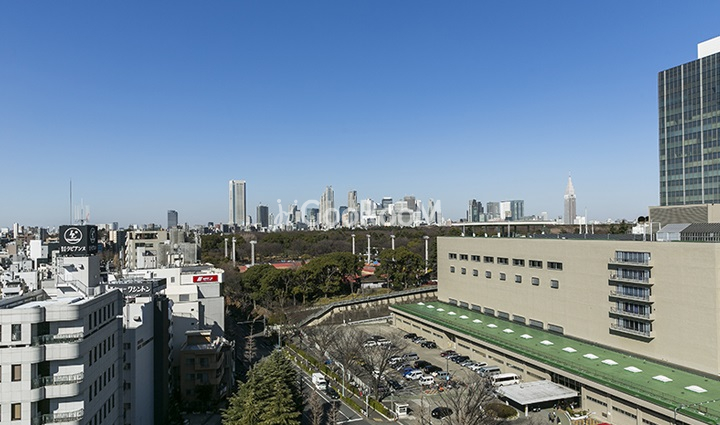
[
  {"x": 58, "y": 339},
  {"x": 53, "y": 418},
  {"x": 639, "y": 263},
  {"x": 42, "y": 381},
  {"x": 639, "y": 334},
  {"x": 619, "y": 312},
  {"x": 641, "y": 281},
  {"x": 617, "y": 294}
]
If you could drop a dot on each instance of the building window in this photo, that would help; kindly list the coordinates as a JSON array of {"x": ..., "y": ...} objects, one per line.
[
  {"x": 16, "y": 374},
  {"x": 519, "y": 319},
  {"x": 535, "y": 280},
  {"x": 518, "y": 262},
  {"x": 502, "y": 260},
  {"x": 536, "y": 323},
  {"x": 475, "y": 258},
  {"x": 554, "y": 265},
  {"x": 503, "y": 315},
  {"x": 554, "y": 284},
  {"x": 518, "y": 278},
  {"x": 475, "y": 272},
  {"x": 452, "y": 256},
  {"x": 452, "y": 269},
  {"x": 488, "y": 274},
  {"x": 16, "y": 412},
  {"x": 172, "y": 279},
  {"x": 464, "y": 257},
  {"x": 536, "y": 264},
  {"x": 184, "y": 297},
  {"x": 463, "y": 270},
  {"x": 488, "y": 259},
  {"x": 190, "y": 377},
  {"x": 16, "y": 332},
  {"x": 502, "y": 276}
]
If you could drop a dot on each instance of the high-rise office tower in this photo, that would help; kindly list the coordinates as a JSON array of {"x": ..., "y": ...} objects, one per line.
[
  {"x": 411, "y": 202},
  {"x": 570, "y": 211},
  {"x": 327, "y": 208},
  {"x": 493, "y": 210},
  {"x": 172, "y": 219},
  {"x": 386, "y": 202},
  {"x": 475, "y": 209},
  {"x": 263, "y": 215},
  {"x": 689, "y": 105},
  {"x": 237, "y": 211}
]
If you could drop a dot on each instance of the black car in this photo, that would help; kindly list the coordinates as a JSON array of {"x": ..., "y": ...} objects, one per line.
[
  {"x": 431, "y": 368},
  {"x": 421, "y": 364},
  {"x": 460, "y": 359},
  {"x": 441, "y": 412},
  {"x": 429, "y": 344},
  {"x": 395, "y": 385},
  {"x": 332, "y": 393},
  {"x": 410, "y": 336}
]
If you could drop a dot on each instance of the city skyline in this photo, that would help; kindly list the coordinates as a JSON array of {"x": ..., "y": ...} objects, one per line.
[{"x": 439, "y": 101}]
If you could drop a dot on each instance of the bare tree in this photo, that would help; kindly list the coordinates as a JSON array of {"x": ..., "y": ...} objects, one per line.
[
  {"x": 468, "y": 401},
  {"x": 333, "y": 413},
  {"x": 250, "y": 347},
  {"x": 317, "y": 410},
  {"x": 344, "y": 348},
  {"x": 376, "y": 358},
  {"x": 423, "y": 413},
  {"x": 321, "y": 336}
]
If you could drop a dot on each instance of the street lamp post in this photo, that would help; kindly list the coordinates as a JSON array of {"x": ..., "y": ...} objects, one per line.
[
  {"x": 353, "y": 242},
  {"x": 427, "y": 238},
  {"x": 392, "y": 239},
  {"x": 368, "y": 249},
  {"x": 252, "y": 252},
  {"x": 226, "y": 253},
  {"x": 233, "y": 253}
]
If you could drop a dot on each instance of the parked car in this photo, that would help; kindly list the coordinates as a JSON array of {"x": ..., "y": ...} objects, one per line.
[
  {"x": 447, "y": 353},
  {"x": 370, "y": 343},
  {"x": 383, "y": 342},
  {"x": 419, "y": 340},
  {"x": 441, "y": 412},
  {"x": 421, "y": 364},
  {"x": 407, "y": 370},
  {"x": 427, "y": 380},
  {"x": 410, "y": 336},
  {"x": 414, "y": 375},
  {"x": 395, "y": 385},
  {"x": 475, "y": 367},
  {"x": 452, "y": 356},
  {"x": 429, "y": 344},
  {"x": 392, "y": 361},
  {"x": 411, "y": 356},
  {"x": 432, "y": 369},
  {"x": 460, "y": 359},
  {"x": 403, "y": 366},
  {"x": 467, "y": 363},
  {"x": 442, "y": 375}
]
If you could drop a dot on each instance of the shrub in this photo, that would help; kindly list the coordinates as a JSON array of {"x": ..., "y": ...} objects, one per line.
[{"x": 501, "y": 411}]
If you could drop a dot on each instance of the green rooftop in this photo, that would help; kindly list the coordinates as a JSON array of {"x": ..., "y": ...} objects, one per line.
[{"x": 693, "y": 395}]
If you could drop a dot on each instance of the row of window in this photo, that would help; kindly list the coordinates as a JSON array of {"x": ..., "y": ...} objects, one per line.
[
  {"x": 506, "y": 316},
  {"x": 101, "y": 381},
  {"x": 98, "y": 317},
  {"x": 554, "y": 283},
  {"x": 519, "y": 262},
  {"x": 99, "y": 350},
  {"x": 104, "y": 411}
]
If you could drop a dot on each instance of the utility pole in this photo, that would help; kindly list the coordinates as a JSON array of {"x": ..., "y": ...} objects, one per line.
[
  {"x": 233, "y": 252},
  {"x": 252, "y": 252},
  {"x": 368, "y": 249},
  {"x": 353, "y": 243},
  {"x": 426, "y": 237}
]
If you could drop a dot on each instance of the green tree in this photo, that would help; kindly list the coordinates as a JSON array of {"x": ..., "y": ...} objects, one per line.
[{"x": 401, "y": 267}]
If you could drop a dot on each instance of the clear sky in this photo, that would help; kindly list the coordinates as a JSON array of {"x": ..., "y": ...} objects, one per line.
[{"x": 155, "y": 105}]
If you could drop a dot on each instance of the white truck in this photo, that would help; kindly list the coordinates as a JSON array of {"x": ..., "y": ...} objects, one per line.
[{"x": 319, "y": 381}]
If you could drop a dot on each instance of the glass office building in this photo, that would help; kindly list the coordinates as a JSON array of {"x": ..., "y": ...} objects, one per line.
[{"x": 689, "y": 118}]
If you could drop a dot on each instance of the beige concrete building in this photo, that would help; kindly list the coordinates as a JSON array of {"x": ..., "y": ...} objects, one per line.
[{"x": 632, "y": 326}]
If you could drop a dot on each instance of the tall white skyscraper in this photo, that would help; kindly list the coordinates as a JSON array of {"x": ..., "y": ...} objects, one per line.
[
  {"x": 327, "y": 208},
  {"x": 570, "y": 209},
  {"x": 238, "y": 211}
]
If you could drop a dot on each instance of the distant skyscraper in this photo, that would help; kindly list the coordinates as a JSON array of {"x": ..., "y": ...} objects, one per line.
[
  {"x": 411, "y": 203},
  {"x": 570, "y": 208},
  {"x": 172, "y": 221},
  {"x": 386, "y": 202},
  {"x": 475, "y": 209},
  {"x": 262, "y": 216},
  {"x": 433, "y": 214},
  {"x": 327, "y": 208},
  {"x": 689, "y": 104},
  {"x": 353, "y": 209},
  {"x": 238, "y": 210},
  {"x": 493, "y": 210}
]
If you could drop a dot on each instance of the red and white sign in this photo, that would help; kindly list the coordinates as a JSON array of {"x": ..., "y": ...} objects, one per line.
[{"x": 205, "y": 278}]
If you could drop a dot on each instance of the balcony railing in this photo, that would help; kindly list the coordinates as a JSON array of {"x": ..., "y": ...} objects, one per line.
[
  {"x": 54, "y": 418},
  {"x": 616, "y": 310},
  {"x": 58, "y": 339},
  {"x": 630, "y": 297},
  {"x": 618, "y": 328},
  {"x": 43, "y": 381},
  {"x": 631, "y": 262},
  {"x": 641, "y": 281}
]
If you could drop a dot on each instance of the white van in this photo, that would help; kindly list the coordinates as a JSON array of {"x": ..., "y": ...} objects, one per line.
[
  {"x": 505, "y": 379},
  {"x": 414, "y": 375},
  {"x": 411, "y": 356},
  {"x": 489, "y": 371},
  {"x": 427, "y": 380}
]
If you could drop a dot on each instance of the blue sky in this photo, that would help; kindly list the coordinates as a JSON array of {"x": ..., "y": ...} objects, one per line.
[{"x": 150, "y": 106}]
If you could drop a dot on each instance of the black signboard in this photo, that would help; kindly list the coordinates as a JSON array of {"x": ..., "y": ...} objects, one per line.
[{"x": 78, "y": 241}]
